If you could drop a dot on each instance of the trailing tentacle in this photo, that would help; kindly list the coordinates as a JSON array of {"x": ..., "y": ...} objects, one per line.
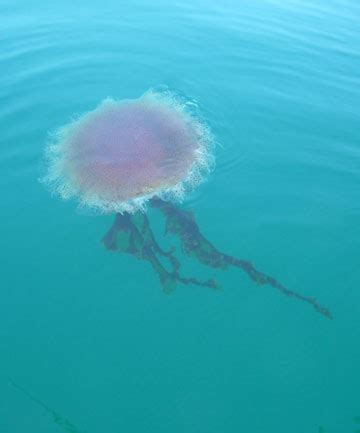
[{"x": 182, "y": 224}]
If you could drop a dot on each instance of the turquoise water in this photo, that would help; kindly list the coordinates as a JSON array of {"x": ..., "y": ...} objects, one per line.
[{"x": 89, "y": 334}]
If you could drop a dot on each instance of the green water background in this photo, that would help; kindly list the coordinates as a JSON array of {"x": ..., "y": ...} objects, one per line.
[{"x": 89, "y": 332}]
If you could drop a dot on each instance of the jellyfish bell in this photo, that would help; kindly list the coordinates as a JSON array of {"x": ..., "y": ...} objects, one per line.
[{"x": 120, "y": 155}]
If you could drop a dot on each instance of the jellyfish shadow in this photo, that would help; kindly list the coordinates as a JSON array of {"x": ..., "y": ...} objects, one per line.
[{"x": 132, "y": 234}]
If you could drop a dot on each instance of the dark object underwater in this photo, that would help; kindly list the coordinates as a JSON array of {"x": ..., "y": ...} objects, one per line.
[
  {"x": 132, "y": 234},
  {"x": 58, "y": 419}
]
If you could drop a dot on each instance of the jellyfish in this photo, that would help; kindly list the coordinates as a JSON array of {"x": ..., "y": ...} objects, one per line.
[{"x": 126, "y": 156}]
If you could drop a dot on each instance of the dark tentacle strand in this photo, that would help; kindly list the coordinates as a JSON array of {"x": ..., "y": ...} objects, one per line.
[
  {"x": 261, "y": 278},
  {"x": 58, "y": 419},
  {"x": 132, "y": 234},
  {"x": 182, "y": 224}
]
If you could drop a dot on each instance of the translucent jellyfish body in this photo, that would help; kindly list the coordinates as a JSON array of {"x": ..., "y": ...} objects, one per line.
[{"x": 118, "y": 156}]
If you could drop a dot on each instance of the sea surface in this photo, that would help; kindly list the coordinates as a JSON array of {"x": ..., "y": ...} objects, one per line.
[{"x": 88, "y": 340}]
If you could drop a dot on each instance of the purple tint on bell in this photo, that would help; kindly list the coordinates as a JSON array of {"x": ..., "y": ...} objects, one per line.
[{"x": 123, "y": 153}]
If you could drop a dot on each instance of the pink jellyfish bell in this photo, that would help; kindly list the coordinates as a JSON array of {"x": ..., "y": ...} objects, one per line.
[{"x": 118, "y": 156}]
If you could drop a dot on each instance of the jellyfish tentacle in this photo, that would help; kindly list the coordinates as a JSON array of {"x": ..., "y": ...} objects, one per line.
[
  {"x": 182, "y": 224},
  {"x": 121, "y": 223},
  {"x": 151, "y": 248},
  {"x": 211, "y": 283},
  {"x": 167, "y": 279},
  {"x": 58, "y": 419},
  {"x": 151, "y": 241},
  {"x": 261, "y": 279},
  {"x": 175, "y": 263},
  {"x": 132, "y": 234}
]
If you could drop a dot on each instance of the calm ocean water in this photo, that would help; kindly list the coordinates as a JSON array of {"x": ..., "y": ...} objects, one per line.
[{"x": 87, "y": 335}]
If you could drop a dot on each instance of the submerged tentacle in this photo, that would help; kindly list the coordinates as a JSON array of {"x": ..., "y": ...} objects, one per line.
[
  {"x": 261, "y": 278},
  {"x": 58, "y": 419},
  {"x": 182, "y": 224},
  {"x": 132, "y": 234}
]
